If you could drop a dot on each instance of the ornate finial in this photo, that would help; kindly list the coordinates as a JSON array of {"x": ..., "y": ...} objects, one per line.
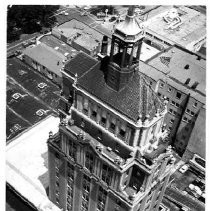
[
  {"x": 50, "y": 134},
  {"x": 76, "y": 79}
]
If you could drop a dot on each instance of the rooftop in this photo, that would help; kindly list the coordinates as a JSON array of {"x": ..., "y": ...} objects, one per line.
[
  {"x": 58, "y": 45},
  {"x": 127, "y": 100},
  {"x": 192, "y": 26},
  {"x": 80, "y": 64},
  {"x": 173, "y": 62},
  {"x": 27, "y": 172},
  {"x": 87, "y": 42},
  {"x": 46, "y": 56},
  {"x": 79, "y": 27}
]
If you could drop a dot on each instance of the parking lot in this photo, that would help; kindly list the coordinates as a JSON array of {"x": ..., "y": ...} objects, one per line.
[{"x": 30, "y": 97}]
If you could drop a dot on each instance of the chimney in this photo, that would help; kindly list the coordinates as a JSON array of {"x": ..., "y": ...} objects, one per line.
[
  {"x": 187, "y": 81},
  {"x": 104, "y": 46},
  {"x": 194, "y": 85}
]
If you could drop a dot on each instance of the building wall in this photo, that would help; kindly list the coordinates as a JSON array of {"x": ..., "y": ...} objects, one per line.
[{"x": 43, "y": 70}]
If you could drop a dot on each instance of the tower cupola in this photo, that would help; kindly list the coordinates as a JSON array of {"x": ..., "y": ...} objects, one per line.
[{"x": 125, "y": 51}]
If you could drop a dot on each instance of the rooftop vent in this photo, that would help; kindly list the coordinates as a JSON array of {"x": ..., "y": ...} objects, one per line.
[
  {"x": 187, "y": 81},
  {"x": 109, "y": 149},
  {"x": 194, "y": 86},
  {"x": 56, "y": 48},
  {"x": 186, "y": 67}
]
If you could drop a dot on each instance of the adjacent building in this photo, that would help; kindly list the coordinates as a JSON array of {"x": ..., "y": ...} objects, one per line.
[
  {"x": 111, "y": 151},
  {"x": 179, "y": 76},
  {"x": 180, "y": 25},
  {"x": 46, "y": 60},
  {"x": 80, "y": 36}
]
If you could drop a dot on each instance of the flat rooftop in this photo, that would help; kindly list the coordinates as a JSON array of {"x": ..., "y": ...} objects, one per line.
[
  {"x": 27, "y": 163},
  {"x": 46, "y": 56},
  {"x": 23, "y": 94},
  {"x": 193, "y": 26},
  {"x": 182, "y": 65},
  {"x": 58, "y": 45},
  {"x": 87, "y": 42},
  {"x": 79, "y": 27}
]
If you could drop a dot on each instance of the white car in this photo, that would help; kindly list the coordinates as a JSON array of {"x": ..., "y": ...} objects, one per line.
[{"x": 184, "y": 168}]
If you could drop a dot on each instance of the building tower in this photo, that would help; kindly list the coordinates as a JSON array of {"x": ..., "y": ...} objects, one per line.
[
  {"x": 125, "y": 51},
  {"x": 110, "y": 153}
]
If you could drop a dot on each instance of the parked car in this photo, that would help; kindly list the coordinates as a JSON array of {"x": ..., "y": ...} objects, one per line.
[{"x": 184, "y": 168}]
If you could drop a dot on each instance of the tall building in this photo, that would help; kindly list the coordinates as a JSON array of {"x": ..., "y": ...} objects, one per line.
[
  {"x": 179, "y": 76},
  {"x": 111, "y": 152}
]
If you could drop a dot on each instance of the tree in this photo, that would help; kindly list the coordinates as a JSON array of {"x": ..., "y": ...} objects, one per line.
[{"x": 28, "y": 19}]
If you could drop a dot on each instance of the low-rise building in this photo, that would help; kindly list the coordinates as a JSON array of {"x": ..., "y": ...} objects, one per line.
[
  {"x": 179, "y": 25},
  {"x": 80, "y": 36},
  {"x": 45, "y": 60}
]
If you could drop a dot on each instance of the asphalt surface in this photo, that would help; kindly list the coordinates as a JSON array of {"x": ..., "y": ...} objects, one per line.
[{"x": 22, "y": 112}]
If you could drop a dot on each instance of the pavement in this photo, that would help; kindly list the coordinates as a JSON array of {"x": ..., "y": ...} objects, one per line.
[
  {"x": 25, "y": 98},
  {"x": 17, "y": 45}
]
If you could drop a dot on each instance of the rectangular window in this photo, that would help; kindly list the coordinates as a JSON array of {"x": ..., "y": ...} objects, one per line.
[
  {"x": 172, "y": 121},
  {"x": 85, "y": 106},
  {"x": 161, "y": 85},
  {"x": 192, "y": 113},
  {"x": 94, "y": 114},
  {"x": 112, "y": 126},
  {"x": 178, "y": 95},
  {"x": 195, "y": 104},
  {"x": 169, "y": 89},
  {"x": 185, "y": 119},
  {"x": 122, "y": 133},
  {"x": 159, "y": 94},
  {"x": 103, "y": 120},
  {"x": 188, "y": 111},
  {"x": 85, "y": 193},
  {"x": 72, "y": 149},
  {"x": 102, "y": 195},
  {"x": 106, "y": 174},
  {"x": 89, "y": 161}
]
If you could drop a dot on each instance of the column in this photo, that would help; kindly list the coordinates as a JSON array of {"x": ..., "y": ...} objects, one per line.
[
  {"x": 116, "y": 132},
  {"x": 139, "y": 50},
  {"x": 131, "y": 56},
  {"x": 108, "y": 121},
  {"x": 123, "y": 56},
  {"x": 112, "y": 49}
]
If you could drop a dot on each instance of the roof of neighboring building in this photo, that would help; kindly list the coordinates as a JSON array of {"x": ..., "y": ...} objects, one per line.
[
  {"x": 179, "y": 198},
  {"x": 46, "y": 56},
  {"x": 192, "y": 28},
  {"x": 181, "y": 66},
  {"x": 26, "y": 164},
  {"x": 58, "y": 45},
  {"x": 80, "y": 64},
  {"x": 197, "y": 141},
  {"x": 129, "y": 100},
  {"x": 79, "y": 27},
  {"x": 87, "y": 42},
  {"x": 175, "y": 72}
]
